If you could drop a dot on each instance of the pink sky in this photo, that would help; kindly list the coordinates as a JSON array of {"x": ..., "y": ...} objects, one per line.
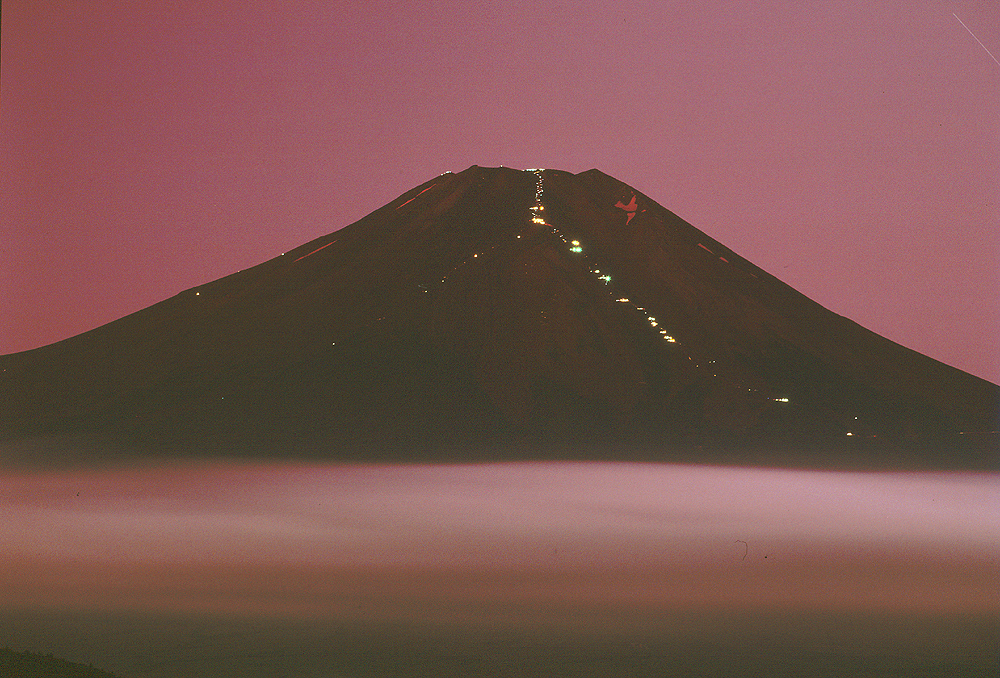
[{"x": 849, "y": 148}]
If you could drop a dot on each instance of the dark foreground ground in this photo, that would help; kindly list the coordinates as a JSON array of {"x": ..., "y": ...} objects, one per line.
[
  {"x": 678, "y": 644},
  {"x": 235, "y": 570}
]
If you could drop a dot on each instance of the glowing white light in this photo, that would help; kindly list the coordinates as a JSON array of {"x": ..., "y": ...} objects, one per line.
[
  {"x": 575, "y": 249},
  {"x": 622, "y": 300},
  {"x": 197, "y": 294},
  {"x": 538, "y": 220},
  {"x": 653, "y": 323},
  {"x": 781, "y": 400},
  {"x": 849, "y": 433},
  {"x": 670, "y": 339}
]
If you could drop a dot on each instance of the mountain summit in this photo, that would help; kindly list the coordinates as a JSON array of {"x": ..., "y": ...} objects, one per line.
[{"x": 498, "y": 313}]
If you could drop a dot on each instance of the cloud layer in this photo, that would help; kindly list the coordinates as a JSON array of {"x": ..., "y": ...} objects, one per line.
[{"x": 541, "y": 541}]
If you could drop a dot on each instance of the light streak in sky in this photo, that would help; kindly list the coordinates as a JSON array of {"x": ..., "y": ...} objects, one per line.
[{"x": 976, "y": 39}]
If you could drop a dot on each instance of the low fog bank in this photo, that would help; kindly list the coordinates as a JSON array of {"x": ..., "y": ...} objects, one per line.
[
  {"x": 568, "y": 550},
  {"x": 314, "y": 539}
]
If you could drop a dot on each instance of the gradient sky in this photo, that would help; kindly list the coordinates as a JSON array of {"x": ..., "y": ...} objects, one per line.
[{"x": 850, "y": 148}]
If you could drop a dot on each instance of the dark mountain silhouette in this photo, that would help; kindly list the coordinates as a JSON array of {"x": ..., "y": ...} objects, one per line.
[
  {"x": 498, "y": 313},
  {"x": 34, "y": 665}
]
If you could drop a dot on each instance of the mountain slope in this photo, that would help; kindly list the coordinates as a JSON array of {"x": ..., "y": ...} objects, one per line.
[
  {"x": 33, "y": 665},
  {"x": 497, "y": 313}
]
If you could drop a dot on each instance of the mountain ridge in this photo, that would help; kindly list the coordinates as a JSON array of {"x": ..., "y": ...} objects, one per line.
[{"x": 496, "y": 308}]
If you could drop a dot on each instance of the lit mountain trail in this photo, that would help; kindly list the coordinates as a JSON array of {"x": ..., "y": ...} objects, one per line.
[{"x": 498, "y": 314}]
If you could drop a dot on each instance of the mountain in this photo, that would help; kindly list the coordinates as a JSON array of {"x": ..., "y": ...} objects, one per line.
[
  {"x": 33, "y": 665},
  {"x": 495, "y": 314}
]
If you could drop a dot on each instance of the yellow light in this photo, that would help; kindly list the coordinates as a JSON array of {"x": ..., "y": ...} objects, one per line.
[
  {"x": 653, "y": 323},
  {"x": 538, "y": 220},
  {"x": 576, "y": 243}
]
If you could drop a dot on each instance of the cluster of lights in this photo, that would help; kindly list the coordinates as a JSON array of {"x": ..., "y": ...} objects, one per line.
[{"x": 576, "y": 247}]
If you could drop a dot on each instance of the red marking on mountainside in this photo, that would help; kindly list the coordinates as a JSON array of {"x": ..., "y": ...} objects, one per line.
[
  {"x": 314, "y": 251},
  {"x": 415, "y": 197},
  {"x": 630, "y": 207}
]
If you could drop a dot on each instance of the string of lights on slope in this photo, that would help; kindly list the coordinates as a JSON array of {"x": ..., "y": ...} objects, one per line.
[{"x": 576, "y": 247}]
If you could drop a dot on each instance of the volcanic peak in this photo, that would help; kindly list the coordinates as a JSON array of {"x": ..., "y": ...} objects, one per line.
[{"x": 496, "y": 309}]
